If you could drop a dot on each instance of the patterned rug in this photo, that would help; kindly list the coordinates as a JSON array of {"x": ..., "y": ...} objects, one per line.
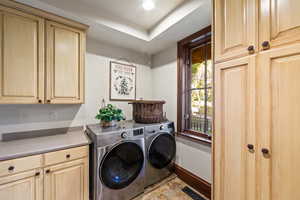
[{"x": 171, "y": 190}]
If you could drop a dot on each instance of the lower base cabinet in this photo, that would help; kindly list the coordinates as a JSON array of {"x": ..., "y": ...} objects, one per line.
[
  {"x": 66, "y": 179},
  {"x": 234, "y": 137},
  {"x": 23, "y": 186},
  {"x": 256, "y": 139}
]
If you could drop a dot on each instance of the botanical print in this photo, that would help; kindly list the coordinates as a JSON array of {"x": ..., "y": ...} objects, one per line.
[{"x": 122, "y": 81}]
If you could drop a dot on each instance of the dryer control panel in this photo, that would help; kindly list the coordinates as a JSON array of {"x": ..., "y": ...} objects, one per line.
[{"x": 164, "y": 127}]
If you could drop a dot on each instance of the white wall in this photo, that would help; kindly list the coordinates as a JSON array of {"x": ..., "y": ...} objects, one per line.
[
  {"x": 192, "y": 156},
  {"x": 32, "y": 117},
  {"x": 160, "y": 82}
]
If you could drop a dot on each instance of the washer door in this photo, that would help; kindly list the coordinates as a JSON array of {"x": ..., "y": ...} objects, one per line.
[
  {"x": 122, "y": 165},
  {"x": 162, "y": 151}
]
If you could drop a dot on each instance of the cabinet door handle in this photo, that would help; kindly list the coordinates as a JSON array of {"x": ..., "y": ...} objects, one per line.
[
  {"x": 48, "y": 101},
  {"x": 47, "y": 171},
  {"x": 37, "y": 174},
  {"x": 265, "y": 151},
  {"x": 251, "y": 49},
  {"x": 11, "y": 168},
  {"x": 68, "y": 156},
  {"x": 40, "y": 101},
  {"x": 266, "y": 45},
  {"x": 250, "y": 147}
]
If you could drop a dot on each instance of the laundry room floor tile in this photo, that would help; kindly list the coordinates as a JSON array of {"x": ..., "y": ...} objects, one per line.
[{"x": 167, "y": 190}]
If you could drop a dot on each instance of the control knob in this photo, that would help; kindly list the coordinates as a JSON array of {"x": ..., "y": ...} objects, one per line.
[{"x": 124, "y": 135}]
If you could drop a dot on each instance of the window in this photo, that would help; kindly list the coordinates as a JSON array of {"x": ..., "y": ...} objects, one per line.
[{"x": 195, "y": 86}]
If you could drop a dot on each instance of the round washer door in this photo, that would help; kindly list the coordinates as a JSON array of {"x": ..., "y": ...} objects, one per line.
[
  {"x": 162, "y": 151},
  {"x": 122, "y": 165}
]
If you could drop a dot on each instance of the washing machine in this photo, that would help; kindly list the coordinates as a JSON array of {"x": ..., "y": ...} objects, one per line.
[
  {"x": 117, "y": 162},
  {"x": 160, "y": 152}
]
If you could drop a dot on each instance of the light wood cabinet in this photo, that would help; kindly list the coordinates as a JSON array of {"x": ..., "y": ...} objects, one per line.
[
  {"x": 30, "y": 178},
  {"x": 21, "y": 56},
  {"x": 279, "y": 22},
  {"x": 234, "y": 171},
  {"x": 29, "y": 40},
  {"x": 245, "y": 27},
  {"x": 235, "y": 28},
  {"x": 257, "y": 103},
  {"x": 67, "y": 181},
  {"x": 23, "y": 186},
  {"x": 20, "y": 165},
  {"x": 278, "y": 115},
  {"x": 65, "y": 64}
]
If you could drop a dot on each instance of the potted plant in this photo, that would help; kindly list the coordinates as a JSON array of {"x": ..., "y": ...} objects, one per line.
[{"x": 110, "y": 115}]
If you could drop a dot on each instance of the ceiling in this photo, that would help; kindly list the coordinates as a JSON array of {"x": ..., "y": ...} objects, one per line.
[
  {"x": 130, "y": 10},
  {"x": 125, "y": 23}
]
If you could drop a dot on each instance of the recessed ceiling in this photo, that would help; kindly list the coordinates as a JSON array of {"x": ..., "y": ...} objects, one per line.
[
  {"x": 126, "y": 23},
  {"x": 130, "y": 10}
]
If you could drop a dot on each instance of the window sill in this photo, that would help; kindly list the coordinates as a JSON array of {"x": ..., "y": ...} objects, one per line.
[{"x": 194, "y": 138}]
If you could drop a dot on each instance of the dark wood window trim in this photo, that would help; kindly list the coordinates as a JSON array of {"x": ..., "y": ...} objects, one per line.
[{"x": 183, "y": 48}]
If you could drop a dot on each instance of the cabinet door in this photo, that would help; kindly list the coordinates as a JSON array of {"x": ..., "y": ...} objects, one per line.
[
  {"x": 235, "y": 28},
  {"x": 278, "y": 117},
  {"x": 67, "y": 181},
  {"x": 279, "y": 21},
  {"x": 65, "y": 64},
  {"x": 23, "y": 186},
  {"x": 234, "y": 163},
  {"x": 21, "y": 57}
]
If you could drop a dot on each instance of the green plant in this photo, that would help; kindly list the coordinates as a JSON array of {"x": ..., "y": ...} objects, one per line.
[{"x": 110, "y": 113}]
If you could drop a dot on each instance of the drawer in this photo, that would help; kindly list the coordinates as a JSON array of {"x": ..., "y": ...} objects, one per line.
[
  {"x": 66, "y": 155},
  {"x": 20, "y": 164}
]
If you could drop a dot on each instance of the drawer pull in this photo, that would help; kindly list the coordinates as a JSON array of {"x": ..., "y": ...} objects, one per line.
[
  {"x": 68, "y": 156},
  {"x": 47, "y": 171},
  {"x": 37, "y": 174},
  {"x": 11, "y": 168}
]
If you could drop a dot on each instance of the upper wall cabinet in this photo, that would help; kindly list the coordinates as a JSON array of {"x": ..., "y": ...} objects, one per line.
[
  {"x": 279, "y": 22},
  {"x": 65, "y": 64},
  {"x": 235, "y": 28},
  {"x": 21, "y": 57},
  {"x": 41, "y": 56}
]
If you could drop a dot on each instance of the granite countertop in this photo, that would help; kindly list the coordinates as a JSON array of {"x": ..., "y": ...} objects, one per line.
[{"x": 37, "y": 145}]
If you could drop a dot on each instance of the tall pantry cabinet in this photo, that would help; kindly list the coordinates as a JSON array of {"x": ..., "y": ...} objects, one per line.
[{"x": 257, "y": 95}]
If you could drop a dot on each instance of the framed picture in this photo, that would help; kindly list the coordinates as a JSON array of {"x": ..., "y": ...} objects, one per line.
[{"x": 122, "y": 82}]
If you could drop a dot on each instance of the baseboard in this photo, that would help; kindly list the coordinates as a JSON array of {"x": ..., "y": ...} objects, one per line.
[{"x": 194, "y": 181}]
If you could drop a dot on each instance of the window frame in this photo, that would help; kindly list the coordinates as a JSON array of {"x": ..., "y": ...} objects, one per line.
[{"x": 184, "y": 48}]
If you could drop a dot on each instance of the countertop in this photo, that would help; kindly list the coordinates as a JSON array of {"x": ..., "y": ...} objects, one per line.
[{"x": 43, "y": 144}]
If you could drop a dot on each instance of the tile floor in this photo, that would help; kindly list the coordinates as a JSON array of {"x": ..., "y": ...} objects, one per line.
[{"x": 169, "y": 189}]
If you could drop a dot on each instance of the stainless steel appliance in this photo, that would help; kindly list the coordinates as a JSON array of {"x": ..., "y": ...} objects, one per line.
[
  {"x": 118, "y": 162},
  {"x": 160, "y": 150}
]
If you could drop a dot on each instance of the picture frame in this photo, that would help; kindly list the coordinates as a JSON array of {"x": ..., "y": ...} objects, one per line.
[{"x": 122, "y": 82}]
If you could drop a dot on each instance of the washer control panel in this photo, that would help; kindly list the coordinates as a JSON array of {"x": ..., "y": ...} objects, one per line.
[
  {"x": 137, "y": 132},
  {"x": 132, "y": 133}
]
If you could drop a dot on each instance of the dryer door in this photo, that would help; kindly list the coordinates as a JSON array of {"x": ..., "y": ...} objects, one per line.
[
  {"x": 122, "y": 165},
  {"x": 162, "y": 151}
]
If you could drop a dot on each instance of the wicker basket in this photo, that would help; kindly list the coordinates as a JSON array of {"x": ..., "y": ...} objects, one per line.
[{"x": 148, "y": 112}]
